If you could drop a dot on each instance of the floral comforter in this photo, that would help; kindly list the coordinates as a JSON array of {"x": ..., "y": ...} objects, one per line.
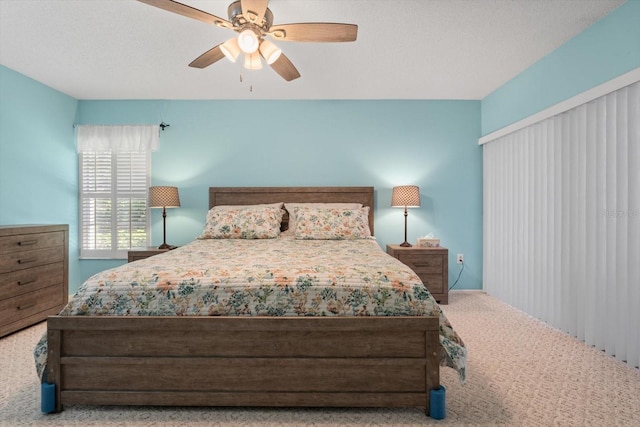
[{"x": 270, "y": 277}]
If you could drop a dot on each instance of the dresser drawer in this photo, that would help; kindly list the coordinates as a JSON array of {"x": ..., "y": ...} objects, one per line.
[
  {"x": 14, "y": 309},
  {"x": 29, "y": 242},
  {"x": 421, "y": 264},
  {"x": 23, "y": 260},
  {"x": 28, "y": 280}
]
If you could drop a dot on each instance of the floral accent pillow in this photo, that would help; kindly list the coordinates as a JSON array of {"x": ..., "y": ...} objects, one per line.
[
  {"x": 331, "y": 223},
  {"x": 243, "y": 223},
  {"x": 291, "y": 206}
]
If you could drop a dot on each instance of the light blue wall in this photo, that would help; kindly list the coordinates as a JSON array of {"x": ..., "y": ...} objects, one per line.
[
  {"x": 607, "y": 49},
  {"x": 38, "y": 163},
  {"x": 315, "y": 143},
  {"x": 257, "y": 143}
]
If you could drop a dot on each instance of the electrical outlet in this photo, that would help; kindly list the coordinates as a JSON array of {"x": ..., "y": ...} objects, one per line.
[{"x": 460, "y": 259}]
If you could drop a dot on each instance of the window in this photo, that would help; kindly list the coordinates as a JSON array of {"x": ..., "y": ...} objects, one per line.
[
  {"x": 114, "y": 185},
  {"x": 113, "y": 203}
]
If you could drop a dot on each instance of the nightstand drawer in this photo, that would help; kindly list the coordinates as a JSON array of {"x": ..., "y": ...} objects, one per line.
[
  {"x": 421, "y": 264},
  {"x": 433, "y": 282},
  {"x": 142, "y": 253}
]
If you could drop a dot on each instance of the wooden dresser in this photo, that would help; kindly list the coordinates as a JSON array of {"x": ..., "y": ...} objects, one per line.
[
  {"x": 34, "y": 274},
  {"x": 430, "y": 264}
]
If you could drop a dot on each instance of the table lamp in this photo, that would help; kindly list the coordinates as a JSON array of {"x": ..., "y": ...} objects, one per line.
[
  {"x": 405, "y": 196},
  {"x": 164, "y": 197}
]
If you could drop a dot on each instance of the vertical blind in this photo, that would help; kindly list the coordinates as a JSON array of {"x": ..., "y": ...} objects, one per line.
[
  {"x": 114, "y": 181},
  {"x": 562, "y": 221}
]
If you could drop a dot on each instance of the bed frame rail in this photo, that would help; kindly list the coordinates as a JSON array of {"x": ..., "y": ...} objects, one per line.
[{"x": 243, "y": 361}]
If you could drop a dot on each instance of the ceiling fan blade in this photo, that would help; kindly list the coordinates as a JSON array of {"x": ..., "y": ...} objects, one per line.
[
  {"x": 315, "y": 32},
  {"x": 285, "y": 68},
  {"x": 208, "y": 58},
  {"x": 254, "y": 10},
  {"x": 189, "y": 12}
]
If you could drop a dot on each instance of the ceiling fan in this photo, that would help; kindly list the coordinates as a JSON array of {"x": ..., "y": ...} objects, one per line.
[{"x": 253, "y": 20}]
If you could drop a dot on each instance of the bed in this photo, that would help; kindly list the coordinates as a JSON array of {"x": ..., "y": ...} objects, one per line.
[{"x": 292, "y": 321}]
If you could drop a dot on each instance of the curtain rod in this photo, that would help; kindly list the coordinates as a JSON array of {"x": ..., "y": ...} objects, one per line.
[{"x": 162, "y": 125}]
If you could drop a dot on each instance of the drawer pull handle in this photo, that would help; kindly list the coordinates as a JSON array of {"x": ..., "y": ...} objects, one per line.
[
  {"x": 26, "y": 261},
  {"x": 25, "y": 282},
  {"x": 27, "y": 242},
  {"x": 26, "y": 306},
  {"x": 421, "y": 264}
]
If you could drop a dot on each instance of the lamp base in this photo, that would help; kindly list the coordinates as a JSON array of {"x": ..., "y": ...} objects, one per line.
[
  {"x": 406, "y": 244},
  {"x": 165, "y": 246}
]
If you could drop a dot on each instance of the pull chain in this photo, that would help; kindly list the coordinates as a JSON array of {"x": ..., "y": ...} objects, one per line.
[{"x": 250, "y": 84}]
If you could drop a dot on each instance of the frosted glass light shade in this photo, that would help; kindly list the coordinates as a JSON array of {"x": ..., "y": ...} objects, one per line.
[
  {"x": 269, "y": 51},
  {"x": 252, "y": 61},
  {"x": 248, "y": 41},
  {"x": 231, "y": 49}
]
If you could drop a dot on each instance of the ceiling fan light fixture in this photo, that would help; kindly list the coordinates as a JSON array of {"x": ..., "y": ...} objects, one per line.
[
  {"x": 231, "y": 49},
  {"x": 269, "y": 51},
  {"x": 248, "y": 41},
  {"x": 252, "y": 61},
  {"x": 251, "y": 21}
]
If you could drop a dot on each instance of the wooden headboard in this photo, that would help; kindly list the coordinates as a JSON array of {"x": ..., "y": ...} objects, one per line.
[{"x": 258, "y": 195}]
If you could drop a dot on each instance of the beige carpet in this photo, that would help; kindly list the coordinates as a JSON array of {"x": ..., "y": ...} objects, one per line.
[{"x": 521, "y": 372}]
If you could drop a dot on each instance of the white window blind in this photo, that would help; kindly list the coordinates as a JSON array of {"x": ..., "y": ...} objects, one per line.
[
  {"x": 114, "y": 185},
  {"x": 562, "y": 221}
]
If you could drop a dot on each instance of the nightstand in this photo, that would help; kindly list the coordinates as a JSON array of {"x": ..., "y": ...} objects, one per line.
[
  {"x": 142, "y": 253},
  {"x": 430, "y": 264}
]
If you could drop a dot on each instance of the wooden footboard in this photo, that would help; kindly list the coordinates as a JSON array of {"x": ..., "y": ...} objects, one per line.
[{"x": 243, "y": 361}]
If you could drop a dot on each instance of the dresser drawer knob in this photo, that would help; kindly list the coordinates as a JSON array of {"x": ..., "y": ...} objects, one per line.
[
  {"x": 25, "y": 282},
  {"x": 26, "y": 261},
  {"x": 27, "y": 242},
  {"x": 26, "y": 306}
]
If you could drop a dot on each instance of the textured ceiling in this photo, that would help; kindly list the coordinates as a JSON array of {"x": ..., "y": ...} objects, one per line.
[{"x": 406, "y": 49}]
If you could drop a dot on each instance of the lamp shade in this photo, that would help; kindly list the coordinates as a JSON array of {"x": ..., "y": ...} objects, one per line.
[
  {"x": 405, "y": 196},
  {"x": 164, "y": 197}
]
